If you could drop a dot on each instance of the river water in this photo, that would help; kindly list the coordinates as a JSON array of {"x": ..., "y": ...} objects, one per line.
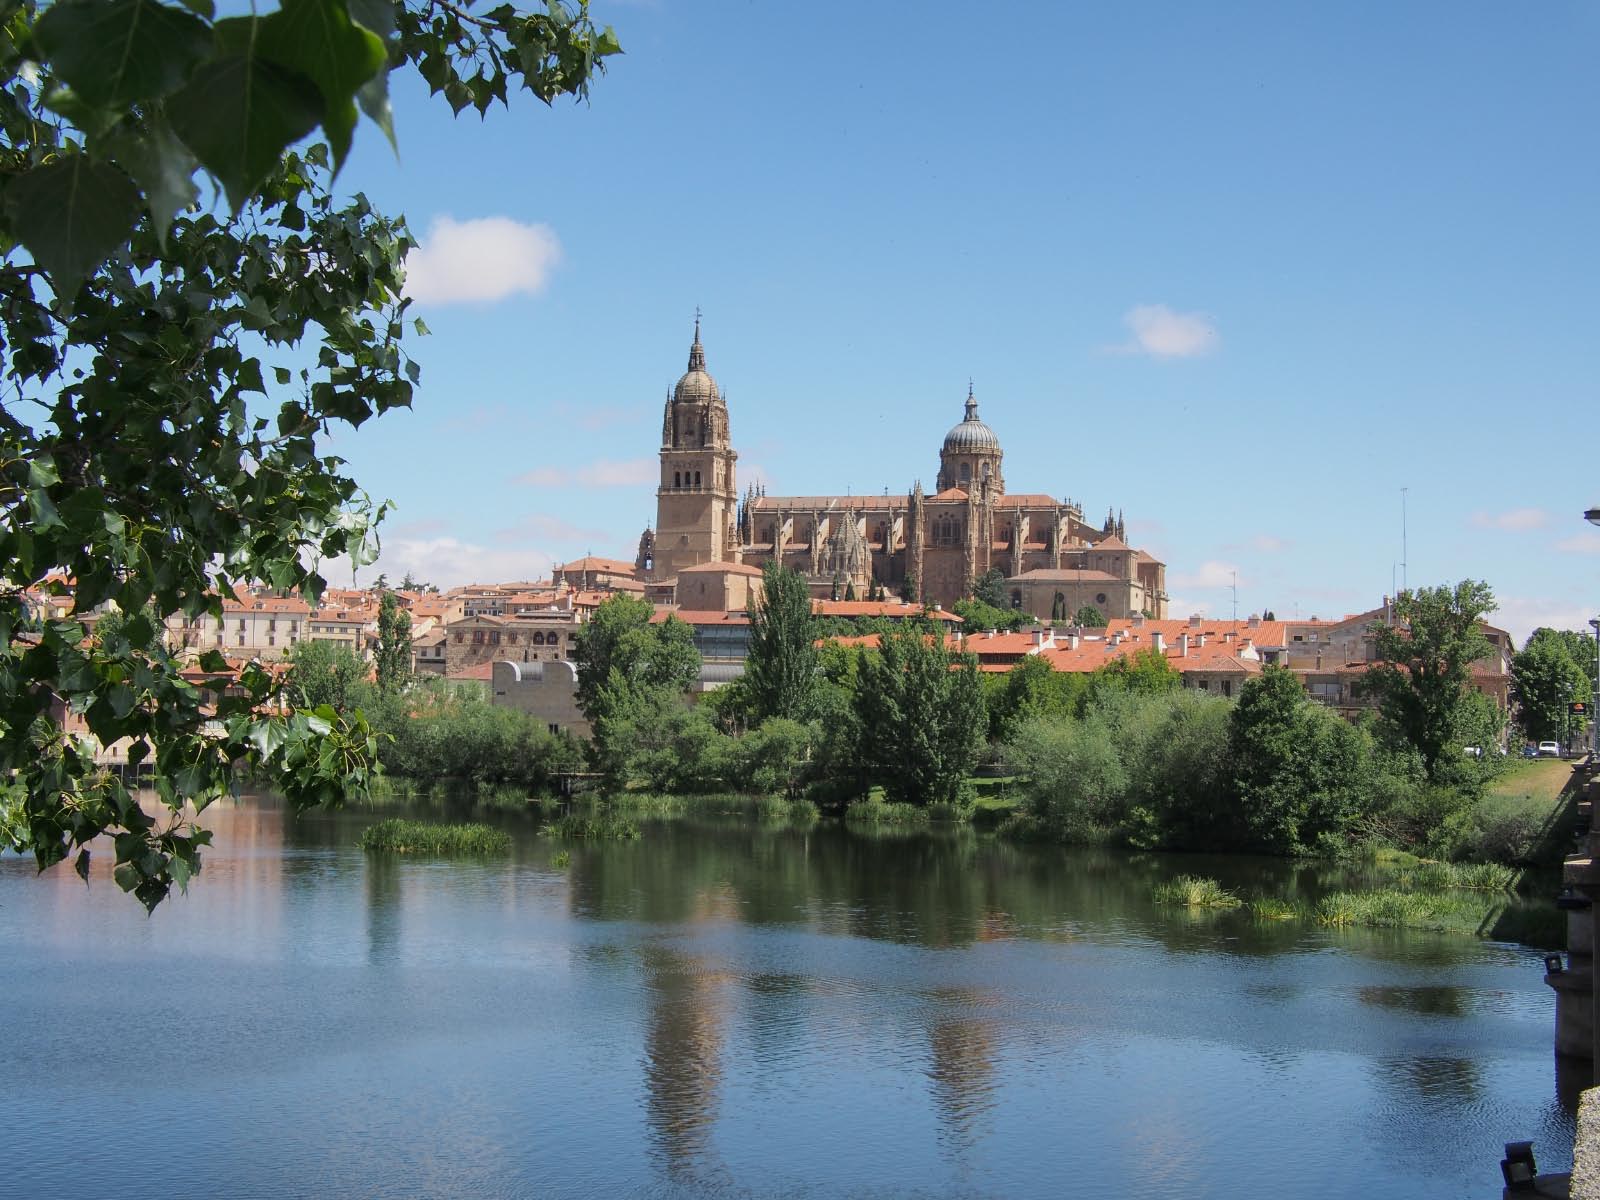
[{"x": 723, "y": 1009}]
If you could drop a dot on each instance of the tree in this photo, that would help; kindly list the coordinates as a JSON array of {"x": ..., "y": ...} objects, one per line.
[
  {"x": 921, "y": 715},
  {"x": 1089, "y": 617},
  {"x": 990, "y": 589},
  {"x": 780, "y": 671},
  {"x": 1424, "y": 672},
  {"x": 324, "y": 673},
  {"x": 631, "y": 678},
  {"x": 394, "y": 644},
  {"x": 146, "y": 328},
  {"x": 1547, "y": 681},
  {"x": 1299, "y": 770},
  {"x": 977, "y": 617}
]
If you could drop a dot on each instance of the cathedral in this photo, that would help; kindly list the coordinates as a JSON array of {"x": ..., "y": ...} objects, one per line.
[{"x": 927, "y": 546}]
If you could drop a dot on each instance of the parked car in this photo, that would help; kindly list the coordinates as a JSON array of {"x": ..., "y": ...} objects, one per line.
[
  {"x": 1549, "y": 749},
  {"x": 1530, "y": 752}
]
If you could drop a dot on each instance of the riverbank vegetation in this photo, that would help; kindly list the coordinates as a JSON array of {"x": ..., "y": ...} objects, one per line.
[{"x": 903, "y": 733}]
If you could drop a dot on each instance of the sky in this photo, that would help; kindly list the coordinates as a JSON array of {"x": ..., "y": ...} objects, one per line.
[{"x": 1307, "y": 291}]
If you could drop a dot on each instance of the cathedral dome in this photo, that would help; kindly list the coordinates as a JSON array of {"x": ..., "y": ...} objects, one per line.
[
  {"x": 696, "y": 386},
  {"x": 972, "y": 436}
]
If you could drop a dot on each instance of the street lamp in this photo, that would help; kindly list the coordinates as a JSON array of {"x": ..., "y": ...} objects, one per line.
[{"x": 1594, "y": 715}]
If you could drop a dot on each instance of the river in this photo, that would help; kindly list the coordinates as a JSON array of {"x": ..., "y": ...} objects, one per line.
[{"x": 722, "y": 1009}]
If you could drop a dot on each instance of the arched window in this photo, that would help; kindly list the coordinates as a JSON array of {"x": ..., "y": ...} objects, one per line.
[
  {"x": 538, "y": 639},
  {"x": 966, "y": 472},
  {"x": 1016, "y": 598},
  {"x": 697, "y": 479},
  {"x": 677, "y": 479},
  {"x": 986, "y": 469}
]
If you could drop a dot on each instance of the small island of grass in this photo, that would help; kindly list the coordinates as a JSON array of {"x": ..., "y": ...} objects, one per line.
[{"x": 423, "y": 837}]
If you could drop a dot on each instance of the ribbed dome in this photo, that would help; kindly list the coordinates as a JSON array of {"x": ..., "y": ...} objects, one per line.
[
  {"x": 696, "y": 385},
  {"x": 972, "y": 435},
  {"x": 846, "y": 552}
]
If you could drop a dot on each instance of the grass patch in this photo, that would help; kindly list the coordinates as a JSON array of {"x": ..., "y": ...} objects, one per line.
[
  {"x": 1539, "y": 779},
  {"x": 1479, "y": 877},
  {"x": 1270, "y": 908},
  {"x": 422, "y": 837},
  {"x": 593, "y": 826},
  {"x": 883, "y": 812},
  {"x": 1391, "y": 908},
  {"x": 1194, "y": 891},
  {"x": 561, "y": 860}
]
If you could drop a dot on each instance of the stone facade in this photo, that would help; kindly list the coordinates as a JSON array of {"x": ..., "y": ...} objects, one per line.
[{"x": 932, "y": 547}]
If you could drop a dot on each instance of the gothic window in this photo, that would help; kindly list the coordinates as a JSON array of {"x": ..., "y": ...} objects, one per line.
[
  {"x": 677, "y": 479},
  {"x": 966, "y": 472},
  {"x": 697, "y": 479}
]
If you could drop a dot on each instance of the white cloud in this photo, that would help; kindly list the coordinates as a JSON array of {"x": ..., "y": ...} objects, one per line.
[
  {"x": 601, "y": 473},
  {"x": 1212, "y": 574},
  {"x": 1162, "y": 333},
  {"x": 1521, "y": 615},
  {"x": 1267, "y": 544},
  {"x": 482, "y": 259},
  {"x": 1513, "y": 519},
  {"x": 445, "y": 562},
  {"x": 544, "y": 528},
  {"x": 1583, "y": 543}
]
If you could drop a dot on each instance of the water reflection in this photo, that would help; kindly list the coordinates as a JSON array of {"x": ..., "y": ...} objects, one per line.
[
  {"x": 723, "y": 1008},
  {"x": 962, "y": 1041},
  {"x": 683, "y": 1049}
]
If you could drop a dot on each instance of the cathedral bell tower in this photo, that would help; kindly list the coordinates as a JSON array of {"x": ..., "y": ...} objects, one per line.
[{"x": 697, "y": 501}]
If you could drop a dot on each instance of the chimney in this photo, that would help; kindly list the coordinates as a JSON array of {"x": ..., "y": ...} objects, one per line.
[
  {"x": 1195, "y": 621},
  {"x": 1183, "y": 645},
  {"x": 1138, "y": 620},
  {"x": 1255, "y": 621},
  {"x": 1038, "y": 637},
  {"x": 1228, "y": 636},
  {"x": 1202, "y": 641},
  {"x": 1072, "y": 639},
  {"x": 1155, "y": 642}
]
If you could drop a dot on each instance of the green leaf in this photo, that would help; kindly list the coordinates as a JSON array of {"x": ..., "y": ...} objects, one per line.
[
  {"x": 422, "y": 330},
  {"x": 126, "y": 875},
  {"x": 72, "y": 214},
  {"x": 163, "y": 167},
  {"x": 317, "y": 39},
  {"x": 374, "y": 100},
  {"x": 81, "y": 865},
  {"x": 238, "y": 114},
  {"x": 42, "y": 473},
  {"x": 376, "y": 15},
  {"x": 118, "y": 52}
]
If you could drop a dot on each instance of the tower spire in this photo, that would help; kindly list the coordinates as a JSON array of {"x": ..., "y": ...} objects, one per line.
[
  {"x": 697, "y": 353},
  {"x": 972, "y": 404}
]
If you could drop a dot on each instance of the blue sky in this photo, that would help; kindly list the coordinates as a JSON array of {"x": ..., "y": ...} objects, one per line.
[{"x": 1243, "y": 271}]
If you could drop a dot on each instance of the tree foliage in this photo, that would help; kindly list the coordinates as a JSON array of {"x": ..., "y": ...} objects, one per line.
[
  {"x": 1424, "y": 672},
  {"x": 1299, "y": 770},
  {"x": 780, "y": 672},
  {"x": 324, "y": 673},
  {"x": 990, "y": 589},
  {"x": 632, "y": 675},
  {"x": 979, "y": 617},
  {"x": 148, "y": 324},
  {"x": 1549, "y": 677},
  {"x": 921, "y": 716},
  {"x": 394, "y": 644},
  {"x": 1089, "y": 617}
]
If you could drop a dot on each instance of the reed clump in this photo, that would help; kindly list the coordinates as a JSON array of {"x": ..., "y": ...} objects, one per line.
[
  {"x": 884, "y": 812},
  {"x": 1270, "y": 908},
  {"x": 595, "y": 826},
  {"x": 1194, "y": 891},
  {"x": 398, "y": 836}
]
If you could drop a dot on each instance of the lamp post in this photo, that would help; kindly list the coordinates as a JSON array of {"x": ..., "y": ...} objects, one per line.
[
  {"x": 1594, "y": 708},
  {"x": 1592, "y": 515}
]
